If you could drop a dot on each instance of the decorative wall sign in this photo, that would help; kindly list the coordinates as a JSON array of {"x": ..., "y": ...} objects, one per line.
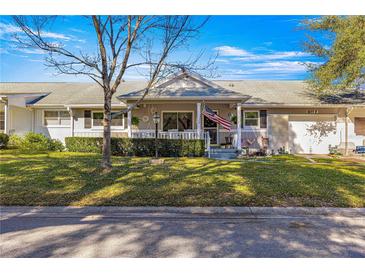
[{"x": 145, "y": 118}]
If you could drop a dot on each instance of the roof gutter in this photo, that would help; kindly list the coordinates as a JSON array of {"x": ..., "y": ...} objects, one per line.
[
  {"x": 301, "y": 105},
  {"x": 190, "y": 98},
  {"x": 92, "y": 105}
]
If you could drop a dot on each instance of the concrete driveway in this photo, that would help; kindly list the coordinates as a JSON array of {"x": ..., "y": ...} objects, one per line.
[{"x": 136, "y": 232}]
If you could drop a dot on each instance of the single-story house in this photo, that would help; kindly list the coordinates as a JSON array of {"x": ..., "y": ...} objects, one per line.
[{"x": 276, "y": 114}]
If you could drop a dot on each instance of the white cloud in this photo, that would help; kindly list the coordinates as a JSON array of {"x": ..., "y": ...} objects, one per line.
[
  {"x": 244, "y": 55},
  {"x": 12, "y": 29},
  {"x": 77, "y": 30},
  {"x": 222, "y": 60},
  {"x": 36, "y": 60},
  {"x": 281, "y": 66},
  {"x": 271, "y": 68},
  {"x": 27, "y": 50},
  {"x": 231, "y": 51},
  {"x": 274, "y": 56}
]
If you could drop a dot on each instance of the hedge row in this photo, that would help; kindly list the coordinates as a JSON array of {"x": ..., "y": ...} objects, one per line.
[{"x": 138, "y": 147}]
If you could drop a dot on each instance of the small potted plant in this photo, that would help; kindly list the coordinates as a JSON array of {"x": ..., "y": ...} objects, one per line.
[{"x": 135, "y": 122}]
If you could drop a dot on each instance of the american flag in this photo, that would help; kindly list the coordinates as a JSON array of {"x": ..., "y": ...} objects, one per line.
[{"x": 211, "y": 115}]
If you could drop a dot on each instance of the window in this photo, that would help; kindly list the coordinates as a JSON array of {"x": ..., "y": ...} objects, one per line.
[
  {"x": 251, "y": 119},
  {"x": 117, "y": 120},
  {"x": 56, "y": 118},
  {"x": 178, "y": 121},
  {"x": 87, "y": 119},
  {"x": 98, "y": 119},
  {"x": 263, "y": 119},
  {"x": 2, "y": 120},
  {"x": 359, "y": 126}
]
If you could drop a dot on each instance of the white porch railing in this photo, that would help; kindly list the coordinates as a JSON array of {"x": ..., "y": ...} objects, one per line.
[
  {"x": 185, "y": 135},
  {"x": 98, "y": 134}
]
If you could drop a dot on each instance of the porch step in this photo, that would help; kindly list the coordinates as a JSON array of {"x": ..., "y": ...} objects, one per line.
[{"x": 223, "y": 153}]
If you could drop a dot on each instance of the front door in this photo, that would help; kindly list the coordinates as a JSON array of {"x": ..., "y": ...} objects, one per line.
[{"x": 212, "y": 128}]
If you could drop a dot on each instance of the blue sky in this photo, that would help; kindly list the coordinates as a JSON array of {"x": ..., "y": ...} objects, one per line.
[{"x": 248, "y": 47}]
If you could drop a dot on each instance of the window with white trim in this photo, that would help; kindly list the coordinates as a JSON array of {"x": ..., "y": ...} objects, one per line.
[
  {"x": 251, "y": 119},
  {"x": 178, "y": 121},
  {"x": 117, "y": 120},
  {"x": 2, "y": 120},
  {"x": 56, "y": 118}
]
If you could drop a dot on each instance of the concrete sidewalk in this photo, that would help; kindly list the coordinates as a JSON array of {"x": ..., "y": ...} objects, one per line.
[{"x": 233, "y": 232}]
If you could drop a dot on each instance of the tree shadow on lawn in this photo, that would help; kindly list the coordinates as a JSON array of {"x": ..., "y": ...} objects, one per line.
[
  {"x": 77, "y": 180},
  {"x": 173, "y": 237},
  {"x": 217, "y": 183}
]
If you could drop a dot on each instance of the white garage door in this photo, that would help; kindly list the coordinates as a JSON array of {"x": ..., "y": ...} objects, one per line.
[{"x": 312, "y": 137}]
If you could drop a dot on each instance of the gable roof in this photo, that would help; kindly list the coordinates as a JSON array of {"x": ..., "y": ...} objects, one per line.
[
  {"x": 186, "y": 86},
  {"x": 67, "y": 93},
  {"x": 290, "y": 92},
  {"x": 181, "y": 87},
  {"x": 272, "y": 92}
]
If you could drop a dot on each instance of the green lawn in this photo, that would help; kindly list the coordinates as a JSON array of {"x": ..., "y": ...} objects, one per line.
[{"x": 75, "y": 179}]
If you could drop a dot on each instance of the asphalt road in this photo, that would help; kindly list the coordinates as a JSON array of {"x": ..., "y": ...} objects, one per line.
[{"x": 180, "y": 235}]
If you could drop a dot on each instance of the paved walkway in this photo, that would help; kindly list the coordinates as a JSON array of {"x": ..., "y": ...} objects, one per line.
[{"x": 181, "y": 232}]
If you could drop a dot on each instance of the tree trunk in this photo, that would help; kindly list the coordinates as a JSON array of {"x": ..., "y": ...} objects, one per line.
[{"x": 106, "y": 161}]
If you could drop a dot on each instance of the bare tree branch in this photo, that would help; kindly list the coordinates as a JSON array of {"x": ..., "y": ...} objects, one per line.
[{"x": 123, "y": 43}]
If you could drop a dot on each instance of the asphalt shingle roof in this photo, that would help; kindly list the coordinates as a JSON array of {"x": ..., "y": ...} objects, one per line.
[{"x": 259, "y": 91}]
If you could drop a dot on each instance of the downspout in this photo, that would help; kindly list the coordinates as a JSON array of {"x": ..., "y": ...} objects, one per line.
[
  {"x": 347, "y": 112},
  {"x": 33, "y": 120},
  {"x": 346, "y": 132},
  {"x": 5, "y": 102},
  {"x": 72, "y": 121},
  {"x": 6, "y": 117},
  {"x": 239, "y": 123},
  {"x": 129, "y": 123}
]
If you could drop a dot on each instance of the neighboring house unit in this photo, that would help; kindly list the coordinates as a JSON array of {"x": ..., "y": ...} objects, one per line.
[{"x": 282, "y": 113}]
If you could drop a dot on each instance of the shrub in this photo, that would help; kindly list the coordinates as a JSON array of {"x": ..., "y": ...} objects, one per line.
[
  {"x": 15, "y": 141},
  {"x": 55, "y": 145},
  {"x": 4, "y": 139},
  {"x": 138, "y": 147},
  {"x": 84, "y": 144},
  {"x": 35, "y": 142}
]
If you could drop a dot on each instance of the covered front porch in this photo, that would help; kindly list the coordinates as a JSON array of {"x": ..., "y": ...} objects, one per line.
[
  {"x": 179, "y": 102},
  {"x": 184, "y": 120}
]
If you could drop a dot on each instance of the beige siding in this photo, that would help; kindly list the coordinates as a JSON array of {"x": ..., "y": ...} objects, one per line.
[
  {"x": 20, "y": 120},
  {"x": 278, "y": 130}
]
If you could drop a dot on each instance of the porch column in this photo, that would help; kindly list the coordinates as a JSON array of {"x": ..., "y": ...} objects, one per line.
[
  {"x": 239, "y": 141},
  {"x": 129, "y": 123},
  {"x": 72, "y": 123},
  {"x": 198, "y": 119},
  {"x": 6, "y": 118},
  {"x": 346, "y": 131},
  {"x": 33, "y": 119}
]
